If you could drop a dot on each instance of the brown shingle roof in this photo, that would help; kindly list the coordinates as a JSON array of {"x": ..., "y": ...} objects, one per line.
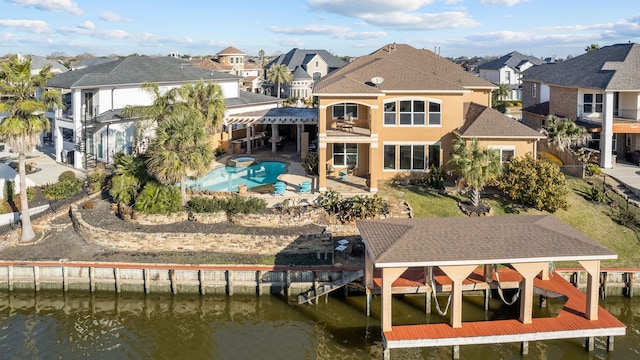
[
  {"x": 403, "y": 68},
  {"x": 484, "y": 122},
  {"x": 230, "y": 51},
  {"x": 480, "y": 240}
]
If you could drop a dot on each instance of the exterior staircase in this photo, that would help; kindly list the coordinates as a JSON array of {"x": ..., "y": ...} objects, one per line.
[
  {"x": 85, "y": 145},
  {"x": 326, "y": 288}
]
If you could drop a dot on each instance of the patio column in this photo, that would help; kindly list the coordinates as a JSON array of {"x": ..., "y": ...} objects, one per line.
[
  {"x": 606, "y": 140},
  {"x": 374, "y": 166},
  {"x": 389, "y": 275},
  {"x": 593, "y": 284},
  {"x": 457, "y": 274},
  {"x": 322, "y": 166},
  {"x": 274, "y": 137},
  {"x": 249, "y": 136},
  {"x": 298, "y": 138},
  {"x": 528, "y": 272},
  {"x": 230, "y": 133}
]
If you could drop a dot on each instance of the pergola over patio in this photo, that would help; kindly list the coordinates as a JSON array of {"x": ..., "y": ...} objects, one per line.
[
  {"x": 274, "y": 117},
  {"x": 458, "y": 246}
]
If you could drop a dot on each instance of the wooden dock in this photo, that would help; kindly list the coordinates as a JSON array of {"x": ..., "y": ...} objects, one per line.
[
  {"x": 326, "y": 288},
  {"x": 569, "y": 323}
]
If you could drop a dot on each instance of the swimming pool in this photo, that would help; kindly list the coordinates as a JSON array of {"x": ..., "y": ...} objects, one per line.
[{"x": 227, "y": 178}]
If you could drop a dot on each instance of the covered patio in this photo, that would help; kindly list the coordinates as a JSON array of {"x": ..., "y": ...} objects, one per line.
[{"x": 457, "y": 254}]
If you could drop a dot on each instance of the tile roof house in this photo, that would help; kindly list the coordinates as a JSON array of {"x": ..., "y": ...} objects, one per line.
[
  {"x": 91, "y": 126},
  {"x": 307, "y": 66},
  {"x": 235, "y": 62},
  {"x": 394, "y": 113},
  {"x": 508, "y": 70},
  {"x": 599, "y": 89}
]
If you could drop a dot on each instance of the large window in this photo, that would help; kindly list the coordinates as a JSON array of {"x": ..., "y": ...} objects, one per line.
[
  {"x": 506, "y": 153},
  {"x": 345, "y": 109},
  {"x": 390, "y": 113},
  {"x": 411, "y": 157},
  {"x": 316, "y": 75},
  {"x": 345, "y": 155},
  {"x": 411, "y": 112},
  {"x": 67, "y": 134},
  {"x": 435, "y": 116},
  {"x": 592, "y": 103}
]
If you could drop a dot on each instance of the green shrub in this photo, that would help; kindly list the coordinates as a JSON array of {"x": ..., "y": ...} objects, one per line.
[
  {"x": 356, "y": 207},
  {"x": 201, "y": 205},
  {"x": 96, "y": 180},
  {"x": 31, "y": 194},
  {"x": 434, "y": 179},
  {"x": 124, "y": 189},
  {"x": 240, "y": 205},
  {"x": 63, "y": 189},
  {"x": 536, "y": 183},
  {"x": 310, "y": 164},
  {"x": 156, "y": 198},
  {"x": 10, "y": 192},
  {"x": 330, "y": 201},
  {"x": 67, "y": 175},
  {"x": 130, "y": 176},
  {"x": 598, "y": 193},
  {"x": 592, "y": 169}
]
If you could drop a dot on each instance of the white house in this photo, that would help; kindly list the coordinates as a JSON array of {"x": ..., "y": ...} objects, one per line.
[
  {"x": 91, "y": 126},
  {"x": 508, "y": 70}
]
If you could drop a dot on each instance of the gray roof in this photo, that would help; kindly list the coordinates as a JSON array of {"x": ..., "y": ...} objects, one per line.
[
  {"x": 484, "y": 122},
  {"x": 136, "y": 70},
  {"x": 38, "y": 62},
  {"x": 298, "y": 57},
  {"x": 248, "y": 98},
  {"x": 513, "y": 60},
  {"x": 300, "y": 73},
  {"x": 476, "y": 240},
  {"x": 81, "y": 64},
  {"x": 612, "y": 67}
]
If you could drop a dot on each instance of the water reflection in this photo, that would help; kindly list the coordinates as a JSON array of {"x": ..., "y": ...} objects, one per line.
[{"x": 134, "y": 326}]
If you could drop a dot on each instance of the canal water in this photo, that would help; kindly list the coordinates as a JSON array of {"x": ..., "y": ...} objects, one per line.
[{"x": 54, "y": 325}]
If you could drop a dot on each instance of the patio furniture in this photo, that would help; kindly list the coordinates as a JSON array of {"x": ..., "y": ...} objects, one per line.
[
  {"x": 280, "y": 188},
  {"x": 344, "y": 173},
  {"x": 330, "y": 170},
  {"x": 305, "y": 187}
]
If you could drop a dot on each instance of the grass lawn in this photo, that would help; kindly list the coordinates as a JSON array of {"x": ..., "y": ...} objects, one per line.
[{"x": 592, "y": 219}]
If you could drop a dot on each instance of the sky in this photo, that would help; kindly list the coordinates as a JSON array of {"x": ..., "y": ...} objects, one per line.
[{"x": 543, "y": 28}]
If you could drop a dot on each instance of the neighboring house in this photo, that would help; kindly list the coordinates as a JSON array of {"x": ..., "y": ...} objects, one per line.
[
  {"x": 81, "y": 64},
  {"x": 393, "y": 114},
  {"x": 508, "y": 70},
  {"x": 91, "y": 126},
  {"x": 235, "y": 62},
  {"x": 599, "y": 90},
  {"x": 307, "y": 66},
  {"x": 39, "y": 62}
]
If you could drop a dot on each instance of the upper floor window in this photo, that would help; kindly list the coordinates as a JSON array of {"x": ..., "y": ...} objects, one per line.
[
  {"x": 231, "y": 60},
  {"x": 316, "y": 75},
  {"x": 317, "y": 63},
  {"x": 507, "y": 77},
  {"x": 345, "y": 110},
  {"x": 412, "y": 113},
  {"x": 534, "y": 90},
  {"x": 592, "y": 103}
]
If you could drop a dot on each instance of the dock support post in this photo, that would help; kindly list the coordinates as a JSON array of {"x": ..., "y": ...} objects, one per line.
[
  {"x": 603, "y": 285},
  {"x": 172, "y": 281},
  {"x": 259, "y": 282},
  {"x": 524, "y": 348},
  {"x": 145, "y": 277},
  {"x": 92, "y": 279},
  {"x": 10, "y": 277},
  {"x": 427, "y": 302},
  {"x": 36, "y": 278},
  {"x": 116, "y": 278},
  {"x": 455, "y": 352},
  {"x": 230, "y": 282},
  {"x": 487, "y": 298},
  {"x": 543, "y": 301},
  {"x": 65, "y": 279},
  {"x": 610, "y": 343},
  {"x": 575, "y": 278},
  {"x": 629, "y": 276},
  {"x": 590, "y": 343},
  {"x": 386, "y": 354},
  {"x": 287, "y": 279},
  {"x": 201, "y": 283},
  {"x": 369, "y": 296}
]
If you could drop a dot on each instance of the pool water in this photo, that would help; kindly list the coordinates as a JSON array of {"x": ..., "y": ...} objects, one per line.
[{"x": 227, "y": 178}]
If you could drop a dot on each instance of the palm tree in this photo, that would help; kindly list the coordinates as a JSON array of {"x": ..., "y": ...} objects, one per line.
[
  {"x": 497, "y": 95},
  {"x": 592, "y": 47},
  {"x": 206, "y": 99},
  {"x": 149, "y": 116},
  {"x": 475, "y": 166},
  {"x": 182, "y": 146},
  {"x": 564, "y": 133},
  {"x": 25, "y": 104},
  {"x": 279, "y": 73}
]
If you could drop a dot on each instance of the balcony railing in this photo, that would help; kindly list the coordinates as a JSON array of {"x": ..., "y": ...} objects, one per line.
[{"x": 629, "y": 114}]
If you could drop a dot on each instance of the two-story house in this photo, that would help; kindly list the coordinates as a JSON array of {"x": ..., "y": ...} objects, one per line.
[
  {"x": 599, "y": 90},
  {"x": 394, "y": 113},
  {"x": 508, "y": 70},
  {"x": 307, "y": 66},
  {"x": 236, "y": 62},
  {"x": 92, "y": 128}
]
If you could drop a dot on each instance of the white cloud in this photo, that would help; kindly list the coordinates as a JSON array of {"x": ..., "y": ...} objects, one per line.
[
  {"x": 502, "y": 2},
  {"x": 337, "y": 32},
  {"x": 34, "y": 26},
  {"x": 88, "y": 25},
  {"x": 51, "y": 5},
  {"x": 111, "y": 16},
  {"x": 290, "y": 42},
  {"x": 356, "y": 8},
  {"x": 424, "y": 21}
]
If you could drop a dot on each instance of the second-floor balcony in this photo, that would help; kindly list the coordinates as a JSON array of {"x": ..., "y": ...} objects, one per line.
[{"x": 348, "y": 127}]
